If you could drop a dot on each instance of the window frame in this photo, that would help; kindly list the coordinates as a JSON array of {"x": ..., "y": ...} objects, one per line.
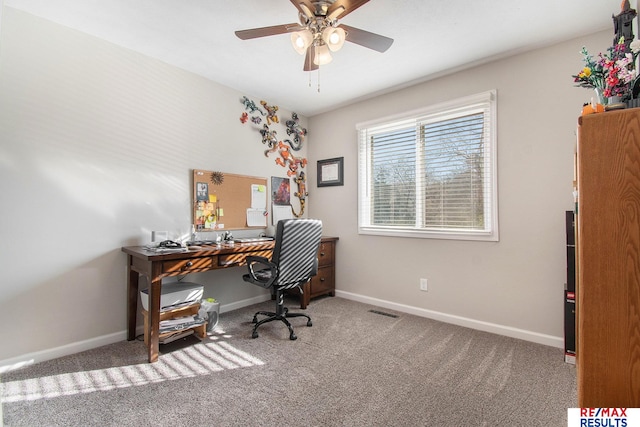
[{"x": 435, "y": 112}]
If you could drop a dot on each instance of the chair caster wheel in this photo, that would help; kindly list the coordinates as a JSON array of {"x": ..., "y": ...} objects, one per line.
[
  {"x": 309, "y": 323},
  {"x": 254, "y": 334},
  {"x": 293, "y": 337}
]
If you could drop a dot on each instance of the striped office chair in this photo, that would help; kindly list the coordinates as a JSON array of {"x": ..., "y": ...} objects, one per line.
[{"x": 293, "y": 263}]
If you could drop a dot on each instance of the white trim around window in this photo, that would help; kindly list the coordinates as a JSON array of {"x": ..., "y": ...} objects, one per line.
[{"x": 432, "y": 172}]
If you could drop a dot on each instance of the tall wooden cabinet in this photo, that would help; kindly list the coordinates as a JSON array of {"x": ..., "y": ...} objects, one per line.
[{"x": 608, "y": 246}]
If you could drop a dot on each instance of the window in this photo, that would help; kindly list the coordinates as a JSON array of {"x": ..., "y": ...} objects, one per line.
[{"x": 431, "y": 173}]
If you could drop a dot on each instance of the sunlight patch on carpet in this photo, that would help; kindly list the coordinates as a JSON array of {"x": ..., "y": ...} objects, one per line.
[{"x": 190, "y": 362}]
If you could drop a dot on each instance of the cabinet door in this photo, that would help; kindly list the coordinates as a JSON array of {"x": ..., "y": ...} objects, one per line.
[
  {"x": 323, "y": 281},
  {"x": 608, "y": 287}
]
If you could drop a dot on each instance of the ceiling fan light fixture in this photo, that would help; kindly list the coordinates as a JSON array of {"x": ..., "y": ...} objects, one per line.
[
  {"x": 318, "y": 33},
  {"x": 301, "y": 40},
  {"x": 322, "y": 55},
  {"x": 334, "y": 38}
]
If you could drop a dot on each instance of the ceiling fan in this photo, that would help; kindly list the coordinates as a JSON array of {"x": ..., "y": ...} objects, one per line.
[{"x": 319, "y": 33}]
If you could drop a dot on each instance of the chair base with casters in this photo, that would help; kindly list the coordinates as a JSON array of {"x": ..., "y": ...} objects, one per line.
[{"x": 281, "y": 314}]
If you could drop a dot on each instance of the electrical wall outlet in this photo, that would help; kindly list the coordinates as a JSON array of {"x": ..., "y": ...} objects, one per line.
[{"x": 423, "y": 285}]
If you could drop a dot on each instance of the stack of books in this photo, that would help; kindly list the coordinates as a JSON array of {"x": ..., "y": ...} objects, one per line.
[{"x": 178, "y": 325}]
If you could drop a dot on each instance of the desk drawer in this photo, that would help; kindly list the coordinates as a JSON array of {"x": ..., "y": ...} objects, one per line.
[
  {"x": 323, "y": 282},
  {"x": 184, "y": 266},
  {"x": 325, "y": 254},
  {"x": 230, "y": 260}
]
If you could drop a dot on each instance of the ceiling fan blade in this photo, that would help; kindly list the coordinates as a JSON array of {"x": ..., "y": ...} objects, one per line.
[
  {"x": 335, "y": 13},
  {"x": 308, "y": 59},
  {"x": 305, "y": 7},
  {"x": 267, "y": 31},
  {"x": 367, "y": 39},
  {"x": 341, "y": 8}
]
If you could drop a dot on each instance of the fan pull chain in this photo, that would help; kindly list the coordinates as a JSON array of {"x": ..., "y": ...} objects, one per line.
[{"x": 318, "y": 79}]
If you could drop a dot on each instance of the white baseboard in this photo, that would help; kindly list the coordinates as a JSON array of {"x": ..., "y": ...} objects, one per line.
[
  {"x": 245, "y": 302},
  {"x": 64, "y": 350},
  {"x": 76, "y": 347},
  {"x": 458, "y": 320}
]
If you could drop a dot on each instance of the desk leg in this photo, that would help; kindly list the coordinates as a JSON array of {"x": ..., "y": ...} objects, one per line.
[
  {"x": 132, "y": 301},
  {"x": 154, "y": 319},
  {"x": 304, "y": 297}
]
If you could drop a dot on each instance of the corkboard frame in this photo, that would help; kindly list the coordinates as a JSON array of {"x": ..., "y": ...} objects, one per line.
[{"x": 232, "y": 196}]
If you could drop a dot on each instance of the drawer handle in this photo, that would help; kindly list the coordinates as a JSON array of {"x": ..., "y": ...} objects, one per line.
[
  {"x": 187, "y": 265},
  {"x": 322, "y": 279},
  {"x": 321, "y": 253}
]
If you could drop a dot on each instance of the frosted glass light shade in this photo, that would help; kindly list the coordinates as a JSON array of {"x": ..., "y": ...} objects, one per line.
[
  {"x": 301, "y": 40},
  {"x": 322, "y": 55},
  {"x": 334, "y": 38}
]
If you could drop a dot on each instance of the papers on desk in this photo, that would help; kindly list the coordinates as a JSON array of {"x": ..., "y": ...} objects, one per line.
[{"x": 159, "y": 249}]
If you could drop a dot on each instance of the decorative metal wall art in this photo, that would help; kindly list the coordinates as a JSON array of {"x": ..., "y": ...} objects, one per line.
[
  {"x": 269, "y": 138},
  {"x": 301, "y": 194}
]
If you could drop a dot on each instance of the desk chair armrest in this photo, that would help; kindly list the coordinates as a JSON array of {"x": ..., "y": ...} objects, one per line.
[{"x": 257, "y": 274}]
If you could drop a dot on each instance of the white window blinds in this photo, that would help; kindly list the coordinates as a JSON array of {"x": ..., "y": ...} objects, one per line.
[{"x": 431, "y": 173}]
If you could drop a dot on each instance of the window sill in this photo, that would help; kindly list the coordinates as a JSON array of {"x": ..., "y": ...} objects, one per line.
[{"x": 425, "y": 234}]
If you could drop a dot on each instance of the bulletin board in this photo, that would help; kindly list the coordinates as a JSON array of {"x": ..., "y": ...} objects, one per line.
[{"x": 224, "y": 201}]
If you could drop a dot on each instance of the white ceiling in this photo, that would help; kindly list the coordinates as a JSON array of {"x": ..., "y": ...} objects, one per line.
[{"x": 432, "y": 37}]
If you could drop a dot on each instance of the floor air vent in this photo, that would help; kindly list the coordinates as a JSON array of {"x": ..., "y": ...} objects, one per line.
[{"x": 383, "y": 313}]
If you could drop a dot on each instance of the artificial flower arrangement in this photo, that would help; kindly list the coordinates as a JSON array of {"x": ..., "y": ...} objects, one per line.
[{"x": 612, "y": 72}]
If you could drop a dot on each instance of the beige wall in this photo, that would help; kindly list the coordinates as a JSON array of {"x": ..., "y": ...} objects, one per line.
[{"x": 514, "y": 286}]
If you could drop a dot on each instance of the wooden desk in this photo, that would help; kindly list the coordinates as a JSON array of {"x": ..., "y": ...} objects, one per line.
[{"x": 157, "y": 265}]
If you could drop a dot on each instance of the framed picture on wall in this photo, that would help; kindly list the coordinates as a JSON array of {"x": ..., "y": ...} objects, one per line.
[
  {"x": 280, "y": 191},
  {"x": 331, "y": 172}
]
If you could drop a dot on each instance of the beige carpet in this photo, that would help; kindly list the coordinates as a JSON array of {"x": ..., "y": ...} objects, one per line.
[{"x": 352, "y": 368}]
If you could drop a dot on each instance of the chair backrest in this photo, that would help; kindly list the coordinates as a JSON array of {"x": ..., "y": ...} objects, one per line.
[{"x": 296, "y": 250}]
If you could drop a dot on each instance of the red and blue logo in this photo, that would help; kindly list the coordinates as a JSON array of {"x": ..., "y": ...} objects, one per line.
[{"x": 603, "y": 417}]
